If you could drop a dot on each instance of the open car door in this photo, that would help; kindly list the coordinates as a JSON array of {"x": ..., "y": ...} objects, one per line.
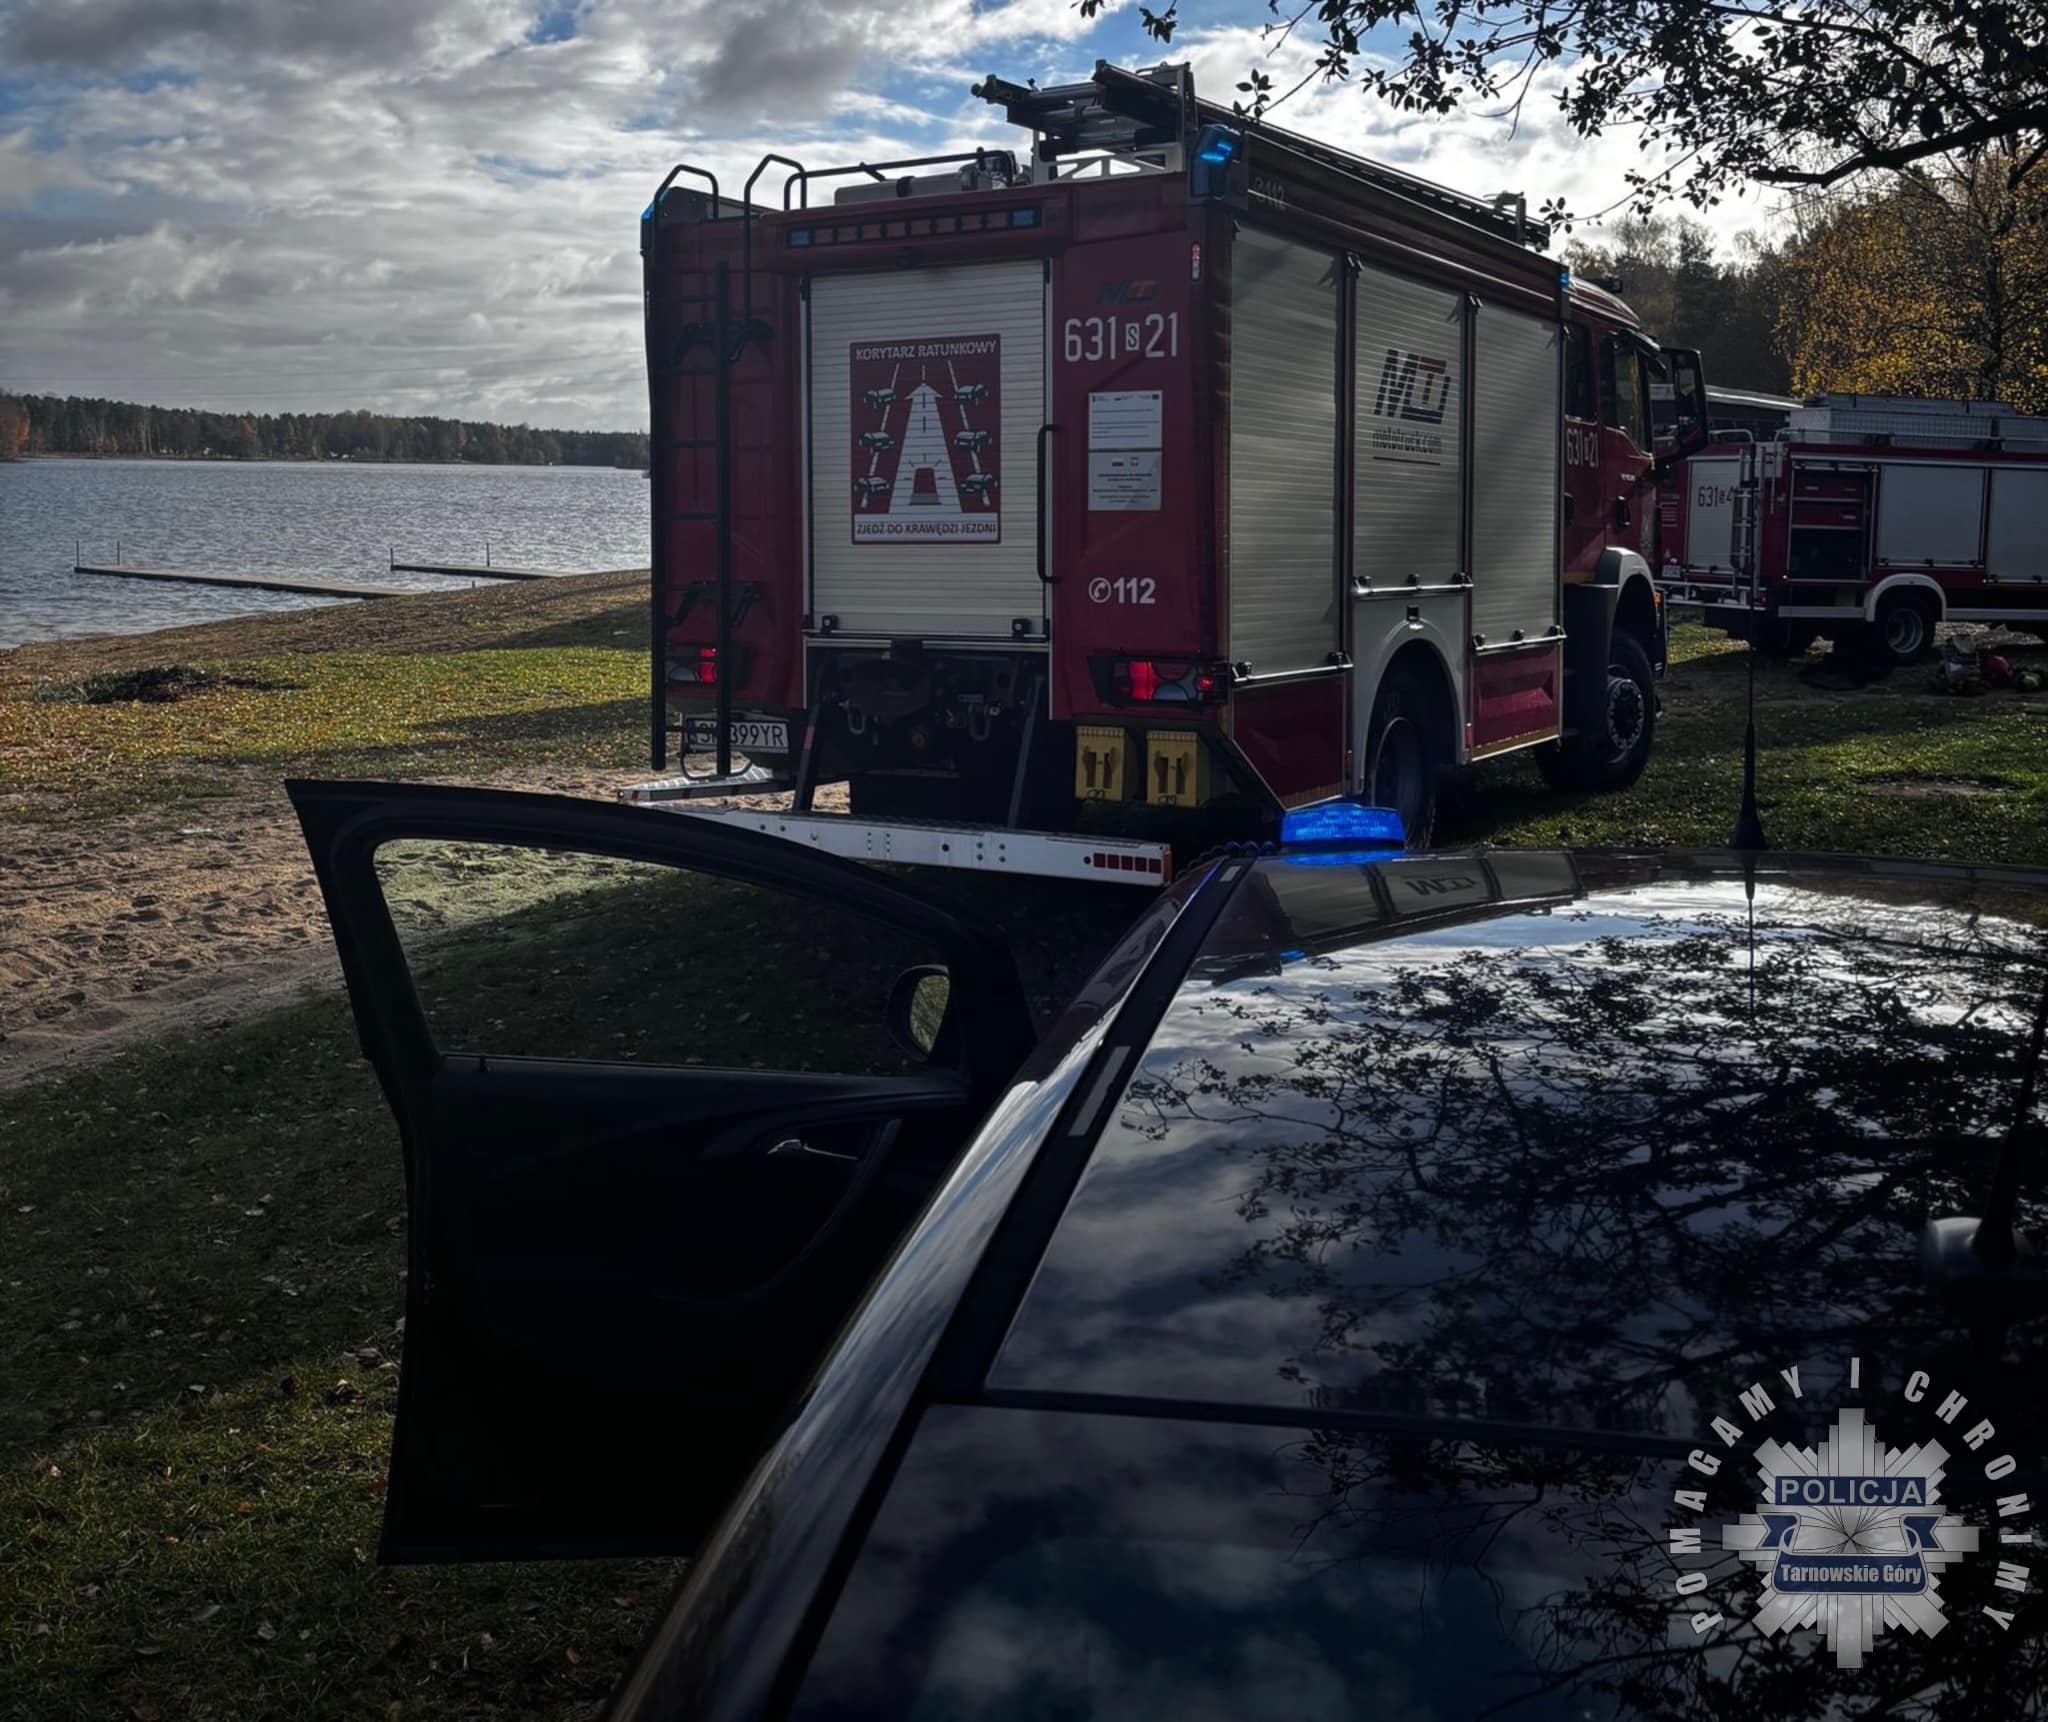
[{"x": 659, "y": 1138}]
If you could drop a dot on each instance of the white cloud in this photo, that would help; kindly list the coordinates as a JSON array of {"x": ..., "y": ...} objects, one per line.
[{"x": 416, "y": 205}]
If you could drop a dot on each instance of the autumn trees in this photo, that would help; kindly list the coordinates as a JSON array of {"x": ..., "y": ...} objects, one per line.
[
  {"x": 1729, "y": 308},
  {"x": 1935, "y": 284},
  {"x": 13, "y": 428}
]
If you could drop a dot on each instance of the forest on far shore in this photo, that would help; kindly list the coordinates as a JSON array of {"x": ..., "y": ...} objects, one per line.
[{"x": 73, "y": 424}]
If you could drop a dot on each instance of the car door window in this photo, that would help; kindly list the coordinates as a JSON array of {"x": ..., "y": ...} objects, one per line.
[{"x": 542, "y": 953}]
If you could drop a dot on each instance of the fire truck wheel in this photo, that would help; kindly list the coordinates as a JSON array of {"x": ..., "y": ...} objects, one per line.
[
  {"x": 1407, "y": 753},
  {"x": 1612, "y": 754},
  {"x": 1905, "y": 627}
]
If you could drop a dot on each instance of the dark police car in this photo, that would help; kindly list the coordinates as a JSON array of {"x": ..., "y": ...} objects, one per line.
[{"x": 1399, "y": 1285}]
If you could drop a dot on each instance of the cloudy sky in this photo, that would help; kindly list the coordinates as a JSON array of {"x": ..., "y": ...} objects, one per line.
[{"x": 432, "y": 205}]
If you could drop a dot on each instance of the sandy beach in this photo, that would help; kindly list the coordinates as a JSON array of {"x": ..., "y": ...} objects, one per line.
[{"x": 191, "y": 910}]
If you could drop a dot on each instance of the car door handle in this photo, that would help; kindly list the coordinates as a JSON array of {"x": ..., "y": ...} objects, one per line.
[
  {"x": 1044, "y": 549},
  {"x": 796, "y": 1148}
]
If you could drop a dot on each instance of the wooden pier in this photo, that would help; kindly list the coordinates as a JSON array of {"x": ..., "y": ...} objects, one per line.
[
  {"x": 254, "y": 582},
  {"x": 316, "y": 588},
  {"x": 479, "y": 571},
  {"x": 498, "y": 571}
]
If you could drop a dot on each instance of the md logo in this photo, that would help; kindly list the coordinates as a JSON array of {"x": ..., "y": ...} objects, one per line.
[
  {"x": 1440, "y": 886},
  {"x": 1413, "y": 386}
]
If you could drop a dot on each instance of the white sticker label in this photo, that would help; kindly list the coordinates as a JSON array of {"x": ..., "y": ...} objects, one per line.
[
  {"x": 1123, "y": 480},
  {"x": 1126, "y": 418}
]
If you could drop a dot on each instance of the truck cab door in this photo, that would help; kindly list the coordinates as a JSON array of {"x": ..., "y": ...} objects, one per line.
[
  {"x": 1584, "y": 534},
  {"x": 658, "y": 1138},
  {"x": 1627, "y": 511}
]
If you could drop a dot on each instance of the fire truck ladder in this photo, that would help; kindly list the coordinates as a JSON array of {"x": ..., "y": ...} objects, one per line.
[
  {"x": 1139, "y": 116},
  {"x": 1745, "y": 547},
  {"x": 720, "y": 340}
]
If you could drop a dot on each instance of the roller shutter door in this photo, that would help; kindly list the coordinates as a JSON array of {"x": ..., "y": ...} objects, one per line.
[
  {"x": 1515, "y": 477},
  {"x": 1283, "y": 454},
  {"x": 927, "y": 393},
  {"x": 1408, "y": 515}
]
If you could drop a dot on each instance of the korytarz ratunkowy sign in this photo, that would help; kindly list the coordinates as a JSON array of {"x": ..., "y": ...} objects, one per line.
[{"x": 927, "y": 440}]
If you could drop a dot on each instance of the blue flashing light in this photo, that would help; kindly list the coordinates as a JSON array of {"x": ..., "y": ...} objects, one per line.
[
  {"x": 1348, "y": 823},
  {"x": 647, "y": 214},
  {"x": 1219, "y": 149},
  {"x": 799, "y": 237},
  {"x": 1027, "y": 217}
]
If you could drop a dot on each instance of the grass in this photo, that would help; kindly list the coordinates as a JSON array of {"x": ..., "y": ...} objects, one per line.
[
  {"x": 200, "y": 1309},
  {"x": 1893, "y": 769},
  {"x": 451, "y": 684}
]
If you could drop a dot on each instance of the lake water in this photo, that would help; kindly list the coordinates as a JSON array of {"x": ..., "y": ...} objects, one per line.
[{"x": 329, "y": 519}]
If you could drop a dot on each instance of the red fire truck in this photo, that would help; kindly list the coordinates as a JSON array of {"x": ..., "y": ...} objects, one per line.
[
  {"x": 1179, "y": 474},
  {"x": 1867, "y": 520}
]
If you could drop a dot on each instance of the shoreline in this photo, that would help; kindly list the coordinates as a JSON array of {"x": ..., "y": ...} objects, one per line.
[
  {"x": 321, "y": 460},
  {"x": 304, "y": 606},
  {"x": 318, "y": 626}
]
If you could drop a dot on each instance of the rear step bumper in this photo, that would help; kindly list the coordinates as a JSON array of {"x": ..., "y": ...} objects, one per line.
[
  {"x": 973, "y": 849},
  {"x": 755, "y": 780}
]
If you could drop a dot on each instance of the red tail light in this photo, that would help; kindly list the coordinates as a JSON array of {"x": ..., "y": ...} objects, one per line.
[
  {"x": 695, "y": 666},
  {"x": 1168, "y": 681}
]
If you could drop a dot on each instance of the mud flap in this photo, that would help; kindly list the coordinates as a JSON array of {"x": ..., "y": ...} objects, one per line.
[{"x": 1589, "y": 632}]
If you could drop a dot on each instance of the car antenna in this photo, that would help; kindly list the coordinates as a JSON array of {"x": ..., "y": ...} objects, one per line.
[
  {"x": 1749, "y": 827},
  {"x": 1963, "y": 1253}
]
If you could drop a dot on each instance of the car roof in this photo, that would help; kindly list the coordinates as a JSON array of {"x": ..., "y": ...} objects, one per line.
[{"x": 1582, "y": 1142}]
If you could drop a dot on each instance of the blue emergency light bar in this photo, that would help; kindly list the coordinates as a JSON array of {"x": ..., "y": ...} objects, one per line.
[{"x": 1341, "y": 825}]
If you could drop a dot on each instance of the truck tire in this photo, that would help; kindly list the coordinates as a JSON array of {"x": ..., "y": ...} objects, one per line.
[
  {"x": 1904, "y": 628},
  {"x": 1612, "y": 755},
  {"x": 1407, "y": 753}
]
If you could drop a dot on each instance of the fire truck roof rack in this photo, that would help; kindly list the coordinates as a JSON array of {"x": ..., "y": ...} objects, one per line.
[{"x": 1125, "y": 112}]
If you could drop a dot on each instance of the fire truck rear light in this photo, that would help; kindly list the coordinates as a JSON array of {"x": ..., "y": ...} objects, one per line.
[
  {"x": 696, "y": 667},
  {"x": 1168, "y": 681}
]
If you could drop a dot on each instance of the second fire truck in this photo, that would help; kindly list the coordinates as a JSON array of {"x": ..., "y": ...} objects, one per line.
[
  {"x": 1867, "y": 520},
  {"x": 1132, "y": 491}
]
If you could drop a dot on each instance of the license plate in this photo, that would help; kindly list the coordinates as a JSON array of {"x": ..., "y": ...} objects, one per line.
[{"x": 748, "y": 735}]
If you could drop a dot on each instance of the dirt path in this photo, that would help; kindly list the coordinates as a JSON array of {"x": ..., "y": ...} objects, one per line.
[{"x": 146, "y": 927}]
